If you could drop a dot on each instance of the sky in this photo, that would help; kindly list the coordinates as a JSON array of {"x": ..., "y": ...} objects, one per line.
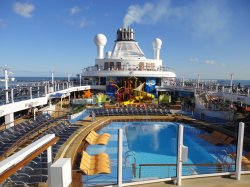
[{"x": 209, "y": 38}]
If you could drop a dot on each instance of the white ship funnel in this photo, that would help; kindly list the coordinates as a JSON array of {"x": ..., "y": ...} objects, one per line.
[
  {"x": 157, "y": 47},
  {"x": 100, "y": 41}
]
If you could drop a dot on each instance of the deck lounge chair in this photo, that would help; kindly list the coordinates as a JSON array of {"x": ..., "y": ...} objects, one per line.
[
  {"x": 97, "y": 164},
  {"x": 217, "y": 138},
  {"x": 94, "y": 138},
  {"x": 245, "y": 160}
]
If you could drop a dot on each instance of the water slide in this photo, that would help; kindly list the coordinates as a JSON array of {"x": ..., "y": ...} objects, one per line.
[{"x": 139, "y": 94}]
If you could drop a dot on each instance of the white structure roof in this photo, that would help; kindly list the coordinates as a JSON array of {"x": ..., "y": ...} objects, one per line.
[{"x": 127, "y": 49}]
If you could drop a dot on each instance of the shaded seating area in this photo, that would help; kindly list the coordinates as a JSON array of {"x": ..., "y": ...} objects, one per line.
[
  {"x": 96, "y": 164},
  {"x": 100, "y": 139},
  {"x": 217, "y": 138}
]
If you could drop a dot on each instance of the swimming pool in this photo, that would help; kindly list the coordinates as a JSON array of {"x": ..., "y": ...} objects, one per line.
[{"x": 150, "y": 151}]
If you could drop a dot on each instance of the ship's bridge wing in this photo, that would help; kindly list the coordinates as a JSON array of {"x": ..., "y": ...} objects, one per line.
[{"x": 127, "y": 49}]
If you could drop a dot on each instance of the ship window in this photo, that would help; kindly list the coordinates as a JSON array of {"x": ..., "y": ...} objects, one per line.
[
  {"x": 141, "y": 66},
  {"x": 152, "y": 66},
  {"x": 118, "y": 65},
  {"x": 112, "y": 65},
  {"x": 148, "y": 66},
  {"x": 106, "y": 65}
]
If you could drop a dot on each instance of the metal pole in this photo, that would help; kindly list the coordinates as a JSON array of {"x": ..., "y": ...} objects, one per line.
[
  {"x": 120, "y": 139},
  {"x": 179, "y": 154},
  {"x": 239, "y": 150},
  {"x": 30, "y": 92},
  {"x": 12, "y": 95},
  {"x": 6, "y": 79},
  {"x": 231, "y": 82},
  {"x": 52, "y": 78},
  {"x": 198, "y": 82},
  {"x": 69, "y": 77},
  {"x": 49, "y": 156},
  {"x": 80, "y": 78}
]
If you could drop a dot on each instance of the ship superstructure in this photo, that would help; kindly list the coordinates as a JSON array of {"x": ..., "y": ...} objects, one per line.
[{"x": 126, "y": 60}]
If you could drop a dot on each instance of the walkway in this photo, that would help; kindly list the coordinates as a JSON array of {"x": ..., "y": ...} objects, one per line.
[{"x": 206, "y": 182}]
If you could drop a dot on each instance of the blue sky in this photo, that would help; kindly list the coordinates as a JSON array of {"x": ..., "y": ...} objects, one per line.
[{"x": 210, "y": 38}]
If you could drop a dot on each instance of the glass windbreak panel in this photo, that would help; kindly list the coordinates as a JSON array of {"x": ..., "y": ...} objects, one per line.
[
  {"x": 152, "y": 150},
  {"x": 209, "y": 149},
  {"x": 108, "y": 154},
  {"x": 149, "y": 152}
]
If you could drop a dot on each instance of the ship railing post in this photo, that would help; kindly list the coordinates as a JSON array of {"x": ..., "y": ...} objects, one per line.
[
  {"x": 239, "y": 150},
  {"x": 12, "y": 95},
  {"x": 247, "y": 91},
  {"x": 45, "y": 89},
  {"x": 30, "y": 92},
  {"x": 179, "y": 155},
  {"x": 120, "y": 140}
]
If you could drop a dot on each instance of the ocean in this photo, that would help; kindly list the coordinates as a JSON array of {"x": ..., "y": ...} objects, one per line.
[{"x": 23, "y": 80}]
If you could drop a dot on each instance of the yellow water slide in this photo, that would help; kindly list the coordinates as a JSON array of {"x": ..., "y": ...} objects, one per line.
[{"x": 140, "y": 95}]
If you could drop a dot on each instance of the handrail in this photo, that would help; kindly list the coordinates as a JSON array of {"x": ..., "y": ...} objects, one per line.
[
  {"x": 26, "y": 160},
  {"x": 203, "y": 164}
]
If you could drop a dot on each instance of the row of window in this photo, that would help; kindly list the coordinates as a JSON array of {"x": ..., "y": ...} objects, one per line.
[{"x": 118, "y": 66}]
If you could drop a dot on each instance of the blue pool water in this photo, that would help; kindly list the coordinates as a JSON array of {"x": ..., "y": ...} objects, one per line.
[{"x": 152, "y": 143}]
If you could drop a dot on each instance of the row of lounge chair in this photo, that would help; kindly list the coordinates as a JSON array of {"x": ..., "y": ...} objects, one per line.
[
  {"x": 97, "y": 164},
  {"x": 94, "y": 138},
  {"x": 217, "y": 138},
  {"x": 10, "y": 136},
  {"x": 128, "y": 111},
  {"x": 37, "y": 170}
]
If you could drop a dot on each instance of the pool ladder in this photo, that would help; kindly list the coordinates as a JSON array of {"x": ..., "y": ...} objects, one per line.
[
  {"x": 127, "y": 155},
  {"x": 225, "y": 157}
]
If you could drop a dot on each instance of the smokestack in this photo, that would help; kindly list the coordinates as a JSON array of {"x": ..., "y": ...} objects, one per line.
[
  {"x": 157, "y": 47},
  {"x": 100, "y": 41},
  {"x": 125, "y": 34}
]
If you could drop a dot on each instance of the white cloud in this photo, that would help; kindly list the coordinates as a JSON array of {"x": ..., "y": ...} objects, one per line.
[
  {"x": 148, "y": 13},
  {"x": 2, "y": 23},
  {"x": 208, "y": 18},
  {"x": 82, "y": 24},
  {"x": 202, "y": 18},
  {"x": 75, "y": 10},
  {"x": 210, "y": 62},
  {"x": 24, "y": 9},
  {"x": 193, "y": 59}
]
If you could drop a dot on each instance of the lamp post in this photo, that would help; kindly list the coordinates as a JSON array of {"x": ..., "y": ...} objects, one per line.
[
  {"x": 198, "y": 81},
  {"x": 80, "y": 78},
  {"x": 231, "y": 82},
  {"x": 6, "y": 80},
  {"x": 51, "y": 88},
  {"x": 69, "y": 79}
]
